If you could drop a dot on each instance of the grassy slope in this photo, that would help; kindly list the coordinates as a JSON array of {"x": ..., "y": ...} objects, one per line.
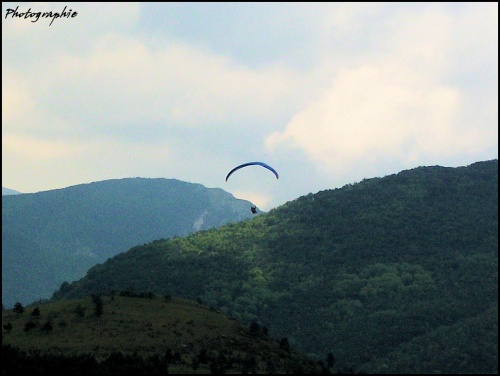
[{"x": 145, "y": 327}]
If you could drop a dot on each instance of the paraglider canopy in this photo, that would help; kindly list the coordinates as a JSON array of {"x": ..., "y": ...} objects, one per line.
[{"x": 265, "y": 165}]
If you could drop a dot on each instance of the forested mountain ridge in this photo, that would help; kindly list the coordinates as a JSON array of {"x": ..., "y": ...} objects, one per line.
[
  {"x": 54, "y": 236},
  {"x": 392, "y": 274}
]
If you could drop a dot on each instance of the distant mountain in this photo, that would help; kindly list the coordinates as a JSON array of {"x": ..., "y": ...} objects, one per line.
[
  {"x": 140, "y": 335},
  {"x": 7, "y": 191},
  {"x": 55, "y": 236},
  {"x": 397, "y": 274}
]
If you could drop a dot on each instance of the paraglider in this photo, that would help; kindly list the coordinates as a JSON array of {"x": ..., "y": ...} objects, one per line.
[
  {"x": 253, "y": 208},
  {"x": 251, "y": 164}
]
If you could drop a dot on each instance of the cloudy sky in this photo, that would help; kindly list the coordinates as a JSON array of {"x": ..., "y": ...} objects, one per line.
[{"x": 328, "y": 94}]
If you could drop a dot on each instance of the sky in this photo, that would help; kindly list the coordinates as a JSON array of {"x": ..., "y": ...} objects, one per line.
[{"x": 328, "y": 94}]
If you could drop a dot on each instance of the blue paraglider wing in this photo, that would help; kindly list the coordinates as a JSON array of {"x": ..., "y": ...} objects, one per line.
[{"x": 251, "y": 164}]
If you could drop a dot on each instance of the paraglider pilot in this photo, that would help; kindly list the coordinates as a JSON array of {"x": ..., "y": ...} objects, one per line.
[{"x": 253, "y": 209}]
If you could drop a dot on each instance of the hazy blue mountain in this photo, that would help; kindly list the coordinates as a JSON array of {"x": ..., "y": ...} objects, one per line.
[
  {"x": 54, "y": 236},
  {"x": 397, "y": 274},
  {"x": 7, "y": 191}
]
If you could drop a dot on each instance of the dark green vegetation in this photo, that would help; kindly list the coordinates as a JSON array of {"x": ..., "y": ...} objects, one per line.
[
  {"x": 393, "y": 274},
  {"x": 128, "y": 333},
  {"x": 55, "y": 236}
]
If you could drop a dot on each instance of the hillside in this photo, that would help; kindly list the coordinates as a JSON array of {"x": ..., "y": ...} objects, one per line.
[
  {"x": 143, "y": 333},
  {"x": 55, "y": 236},
  {"x": 7, "y": 191},
  {"x": 373, "y": 272}
]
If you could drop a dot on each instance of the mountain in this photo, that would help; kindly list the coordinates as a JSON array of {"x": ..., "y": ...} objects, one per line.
[
  {"x": 392, "y": 273},
  {"x": 7, "y": 191},
  {"x": 139, "y": 334},
  {"x": 55, "y": 236}
]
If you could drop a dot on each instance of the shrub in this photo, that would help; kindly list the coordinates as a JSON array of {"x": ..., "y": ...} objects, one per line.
[
  {"x": 36, "y": 312},
  {"x": 29, "y": 325},
  {"x": 47, "y": 326},
  {"x": 79, "y": 310}
]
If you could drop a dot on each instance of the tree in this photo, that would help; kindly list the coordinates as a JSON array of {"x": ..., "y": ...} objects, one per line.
[
  {"x": 29, "y": 325},
  {"x": 18, "y": 308},
  {"x": 284, "y": 345},
  {"x": 254, "y": 328},
  {"x": 330, "y": 360},
  {"x": 64, "y": 286},
  {"x": 98, "y": 304},
  {"x": 203, "y": 356},
  {"x": 265, "y": 331},
  {"x": 195, "y": 363}
]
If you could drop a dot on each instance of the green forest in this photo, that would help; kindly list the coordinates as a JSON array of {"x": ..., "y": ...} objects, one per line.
[
  {"x": 397, "y": 274},
  {"x": 55, "y": 236}
]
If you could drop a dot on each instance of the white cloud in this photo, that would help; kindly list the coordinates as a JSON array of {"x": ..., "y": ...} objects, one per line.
[
  {"x": 150, "y": 100},
  {"x": 122, "y": 82},
  {"x": 116, "y": 92},
  {"x": 78, "y": 161},
  {"x": 397, "y": 104},
  {"x": 262, "y": 201},
  {"x": 30, "y": 148},
  {"x": 373, "y": 111}
]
